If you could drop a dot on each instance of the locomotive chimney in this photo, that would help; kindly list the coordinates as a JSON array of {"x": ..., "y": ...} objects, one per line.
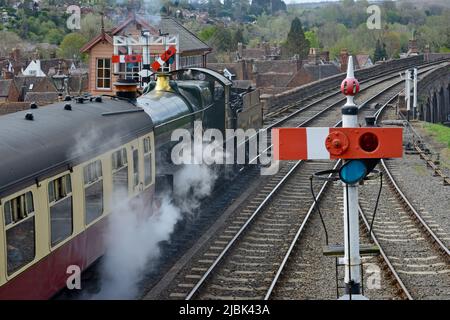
[
  {"x": 163, "y": 82},
  {"x": 126, "y": 88}
]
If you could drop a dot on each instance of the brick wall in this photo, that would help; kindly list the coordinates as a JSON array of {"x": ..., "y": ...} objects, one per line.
[
  {"x": 11, "y": 107},
  {"x": 271, "y": 102}
]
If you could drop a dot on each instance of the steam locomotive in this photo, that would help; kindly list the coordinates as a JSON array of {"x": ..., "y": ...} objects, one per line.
[{"x": 63, "y": 165}]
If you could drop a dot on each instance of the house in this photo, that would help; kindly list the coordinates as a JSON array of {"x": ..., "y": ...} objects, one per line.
[
  {"x": 34, "y": 69},
  {"x": 363, "y": 61},
  {"x": 13, "y": 65},
  {"x": 8, "y": 91},
  {"x": 41, "y": 98},
  {"x": 32, "y": 84},
  {"x": 102, "y": 72}
]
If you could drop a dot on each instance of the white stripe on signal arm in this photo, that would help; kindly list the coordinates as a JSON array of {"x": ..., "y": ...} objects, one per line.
[
  {"x": 315, "y": 141},
  {"x": 161, "y": 61}
]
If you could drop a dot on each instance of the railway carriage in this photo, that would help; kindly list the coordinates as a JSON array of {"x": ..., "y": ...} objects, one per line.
[{"x": 59, "y": 171}]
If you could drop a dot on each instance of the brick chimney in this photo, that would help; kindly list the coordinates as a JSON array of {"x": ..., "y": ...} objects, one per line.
[
  {"x": 325, "y": 56},
  {"x": 16, "y": 55},
  {"x": 344, "y": 60},
  {"x": 412, "y": 46},
  {"x": 314, "y": 56}
]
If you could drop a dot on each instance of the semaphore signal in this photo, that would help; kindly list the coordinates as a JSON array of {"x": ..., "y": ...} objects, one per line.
[{"x": 361, "y": 149}]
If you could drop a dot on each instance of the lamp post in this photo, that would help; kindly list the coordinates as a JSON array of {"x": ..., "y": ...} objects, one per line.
[{"x": 61, "y": 82}]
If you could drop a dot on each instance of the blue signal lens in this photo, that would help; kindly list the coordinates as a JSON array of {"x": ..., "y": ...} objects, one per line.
[{"x": 353, "y": 171}]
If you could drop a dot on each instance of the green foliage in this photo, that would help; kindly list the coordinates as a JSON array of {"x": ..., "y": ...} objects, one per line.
[
  {"x": 380, "y": 53},
  {"x": 223, "y": 40},
  {"x": 313, "y": 39},
  {"x": 296, "y": 43},
  {"x": 207, "y": 33},
  {"x": 71, "y": 45},
  {"x": 440, "y": 132},
  {"x": 90, "y": 25}
]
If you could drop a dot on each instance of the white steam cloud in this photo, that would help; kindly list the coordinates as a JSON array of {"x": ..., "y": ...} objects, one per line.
[
  {"x": 132, "y": 242},
  {"x": 133, "y": 237}
]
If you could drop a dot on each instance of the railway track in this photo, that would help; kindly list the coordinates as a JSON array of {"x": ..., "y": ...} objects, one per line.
[
  {"x": 322, "y": 97},
  {"x": 323, "y": 108},
  {"x": 204, "y": 270},
  {"x": 300, "y": 281},
  {"x": 416, "y": 257},
  {"x": 185, "y": 287},
  {"x": 309, "y": 274}
]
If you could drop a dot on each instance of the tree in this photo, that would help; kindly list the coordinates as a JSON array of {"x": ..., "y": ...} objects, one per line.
[
  {"x": 91, "y": 25},
  {"x": 54, "y": 36},
  {"x": 378, "y": 54},
  {"x": 223, "y": 40},
  {"x": 9, "y": 41},
  {"x": 71, "y": 45},
  {"x": 311, "y": 36},
  {"x": 238, "y": 37},
  {"x": 296, "y": 43}
]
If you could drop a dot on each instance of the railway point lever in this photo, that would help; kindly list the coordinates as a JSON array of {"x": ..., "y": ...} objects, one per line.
[{"x": 360, "y": 149}]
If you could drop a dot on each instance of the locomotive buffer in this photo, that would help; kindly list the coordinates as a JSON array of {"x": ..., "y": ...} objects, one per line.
[{"x": 361, "y": 149}]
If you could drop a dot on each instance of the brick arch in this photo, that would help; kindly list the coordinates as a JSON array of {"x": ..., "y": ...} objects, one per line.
[
  {"x": 441, "y": 105},
  {"x": 427, "y": 110},
  {"x": 434, "y": 107}
]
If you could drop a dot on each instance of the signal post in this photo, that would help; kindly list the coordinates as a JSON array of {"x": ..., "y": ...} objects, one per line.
[{"x": 361, "y": 149}]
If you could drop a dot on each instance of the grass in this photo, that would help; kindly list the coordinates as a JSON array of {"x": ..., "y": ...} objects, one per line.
[{"x": 440, "y": 132}]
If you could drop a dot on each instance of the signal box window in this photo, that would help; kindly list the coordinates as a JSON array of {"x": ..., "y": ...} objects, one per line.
[
  {"x": 20, "y": 231},
  {"x": 61, "y": 207},
  {"x": 93, "y": 191},
  {"x": 120, "y": 171},
  {"x": 103, "y": 73},
  {"x": 147, "y": 162}
]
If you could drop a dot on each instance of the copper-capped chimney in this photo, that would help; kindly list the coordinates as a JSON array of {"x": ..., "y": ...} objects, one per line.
[
  {"x": 163, "y": 82},
  {"x": 126, "y": 88}
]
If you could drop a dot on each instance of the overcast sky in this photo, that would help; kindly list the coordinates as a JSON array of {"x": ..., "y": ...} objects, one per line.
[{"x": 298, "y": 1}]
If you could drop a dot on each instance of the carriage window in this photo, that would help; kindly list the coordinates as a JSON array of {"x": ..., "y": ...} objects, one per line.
[
  {"x": 147, "y": 162},
  {"x": 93, "y": 191},
  {"x": 61, "y": 215},
  {"x": 20, "y": 229},
  {"x": 136, "y": 167},
  {"x": 120, "y": 171}
]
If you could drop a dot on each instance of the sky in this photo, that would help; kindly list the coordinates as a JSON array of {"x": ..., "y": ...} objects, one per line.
[{"x": 299, "y": 1}]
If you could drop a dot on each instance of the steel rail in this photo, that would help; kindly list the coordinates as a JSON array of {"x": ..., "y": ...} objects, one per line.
[
  {"x": 334, "y": 93},
  {"x": 269, "y": 197},
  {"x": 411, "y": 208},
  {"x": 384, "y": 255},
  {"x": 403, "y": 197},
  {"x": 335, "y": 104},
  {"x": 297, "y": 236}
]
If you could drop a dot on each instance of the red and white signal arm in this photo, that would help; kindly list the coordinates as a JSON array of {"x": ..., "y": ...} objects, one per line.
[
  {"x": 337, "y": 143},
  {"x": 127, "y": 58},
  {"x": 164, "y": 58}
]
